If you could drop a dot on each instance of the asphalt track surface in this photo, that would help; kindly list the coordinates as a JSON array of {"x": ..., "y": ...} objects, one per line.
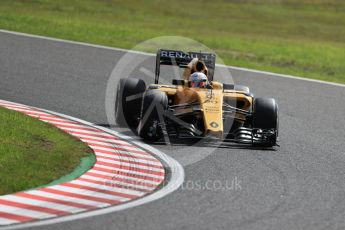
[{"x": 300, "y": 185}]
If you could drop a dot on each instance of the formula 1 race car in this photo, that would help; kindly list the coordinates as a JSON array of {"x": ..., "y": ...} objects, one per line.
[{"x": 223, "y": 111}]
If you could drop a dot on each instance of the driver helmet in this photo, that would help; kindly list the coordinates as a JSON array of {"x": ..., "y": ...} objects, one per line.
[
  {"x": 198, "y": 80},
  {"x": 200, "y": 67}
]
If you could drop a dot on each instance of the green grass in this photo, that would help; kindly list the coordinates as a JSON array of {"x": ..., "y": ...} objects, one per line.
[
  {"x": 299, "y": 37},
  {"x": 33, "y": 153}
]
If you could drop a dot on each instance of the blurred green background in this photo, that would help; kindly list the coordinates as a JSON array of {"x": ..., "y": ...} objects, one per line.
[{"x": 298, "y": 37}]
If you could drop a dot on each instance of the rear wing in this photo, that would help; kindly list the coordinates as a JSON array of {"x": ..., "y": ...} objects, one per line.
[{"x": 181, "y": 59}]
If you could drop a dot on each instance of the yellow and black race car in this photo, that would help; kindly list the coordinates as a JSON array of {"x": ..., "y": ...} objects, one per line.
[{"x": 223, "y": 111}]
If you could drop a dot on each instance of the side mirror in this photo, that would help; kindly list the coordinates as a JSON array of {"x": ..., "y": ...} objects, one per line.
[
  {"x": 228, "y": 86},
  {"x": 178, "y": 82}
]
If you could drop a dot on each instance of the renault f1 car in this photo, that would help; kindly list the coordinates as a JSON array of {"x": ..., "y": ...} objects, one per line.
[{"x": 223, "y": 111}]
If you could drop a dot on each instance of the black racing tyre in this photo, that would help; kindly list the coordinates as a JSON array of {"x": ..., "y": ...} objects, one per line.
[
  {"x": 127, "y": 108},
  {"x": 155, "y": 103},
  {"x": 265, "y": 116}
]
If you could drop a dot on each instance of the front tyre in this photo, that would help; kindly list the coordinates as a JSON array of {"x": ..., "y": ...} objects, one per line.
[
  {"x": 155, "y": 104},
  {"x": 265, "y": 117},
  {"x": 128, "y": 101}
]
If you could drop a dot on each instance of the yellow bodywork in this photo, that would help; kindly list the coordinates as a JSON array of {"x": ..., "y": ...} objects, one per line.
[{"x": 211, "y": 103}]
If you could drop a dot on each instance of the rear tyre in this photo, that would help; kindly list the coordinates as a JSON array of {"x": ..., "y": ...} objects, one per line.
[
  {"x": 155, "y": 103},
  {"x": 265, "y": 117},
  {"x": 128, "y": 101}
]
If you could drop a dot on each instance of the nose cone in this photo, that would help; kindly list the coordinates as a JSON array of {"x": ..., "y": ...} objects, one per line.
[
  {"x": 214, "y": 134},
  {"x": 211, "y": 102},
  {"x": 212, "y": 108},
  {"x": 214, "y": 130}
]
